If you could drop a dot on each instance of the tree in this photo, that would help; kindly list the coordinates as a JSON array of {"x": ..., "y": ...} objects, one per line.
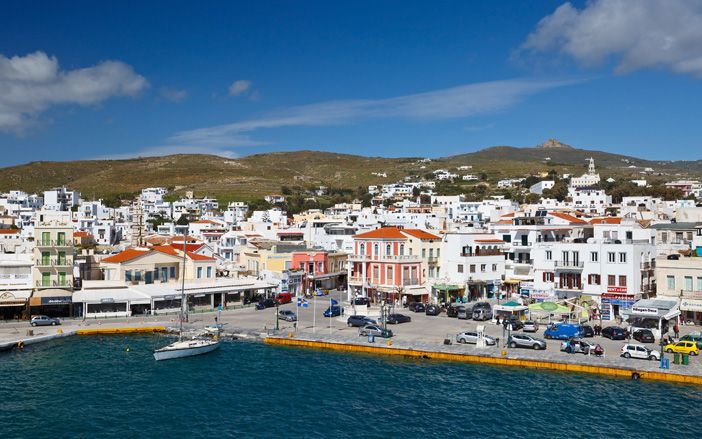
[
  {"x": 285, "y": 190},
  {"x": 416, "y": 191},
  {"x": 532, "y": 198},
  {"x": 184, "y": 220},
  {"x": 559, "y": 191}
]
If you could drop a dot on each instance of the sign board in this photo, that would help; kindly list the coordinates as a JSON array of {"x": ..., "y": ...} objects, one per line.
[
  {"x": 61, "y": 300},
  {"x": 691, "y": 305},
  {"x": 605, "y": 309},
  {"x": 616, "y": 289},
  {"x": 107, "y": 300},
  {"x": 645, "y": 310}
]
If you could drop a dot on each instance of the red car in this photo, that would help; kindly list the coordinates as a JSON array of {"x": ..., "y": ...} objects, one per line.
[{"x": 282, "y": 298}]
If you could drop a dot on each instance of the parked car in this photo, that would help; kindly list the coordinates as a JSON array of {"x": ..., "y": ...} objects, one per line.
[
  {"x": 362, "y": 301},
  {"x": 416, "y": 307},
  {"x": 691, "y": 337},
  {"x": 482, "y": 314},
  {"x": 614, "y": 333},
  {"x": 375, "y": 330},
  {"x": 514, "y": 323},
  {"x": 639, "y": 351},
  {"x": 530, "y": 326},
  {"x": 463, "y": 312},
  {"x": 44, "y": 321},
  {"x": 360, "y": 321},
  {"x": 283, "y": 298},
  {"x": 287, "y": 315},
  {"x": 451, "y": 311},
  {"x": 265, "y": 303},
  {"x": 577, "y": 346},
  {"x": 683, "y": 347},
  {"x": 563, "y": 331},
  {"x": 588, "y": 331},
  {"x": 644, "y": 336},
  {"x": 432, "y": 310},
  {"x": 333, "y": 311},
  {"x": 525, "y": 341},
  {"x": 394, "y": 319},
  {"x": 471, "y": 337}
]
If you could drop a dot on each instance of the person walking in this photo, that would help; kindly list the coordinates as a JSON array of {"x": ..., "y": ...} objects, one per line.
[{"x": 676, "y": 330}]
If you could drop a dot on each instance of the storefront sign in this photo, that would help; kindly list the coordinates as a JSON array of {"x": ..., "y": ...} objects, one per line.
[
  {"x": 645, "y": 310},
  {"x": 107, "y": 300},
  {"x": 616, "y": 290},
  {"x": 691, "y": 305},
  {"x": 622, "y": 296},
  {"x": 605, "y": 308},
  {"x": 542, "y": 294},
  {"x": 62, "y": 300}
]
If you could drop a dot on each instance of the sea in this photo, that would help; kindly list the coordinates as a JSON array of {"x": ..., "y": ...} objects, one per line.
[{"x": 111, "y": 387}]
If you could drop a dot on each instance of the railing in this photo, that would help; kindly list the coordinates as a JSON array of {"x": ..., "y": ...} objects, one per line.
[
  {"x": 54, "y": 283},
  {"x": 410, "y": 281},
  {"x": 569, "y": 288},
  {"x": 53, "y": 243},
  {"x": 55, "y": 263},
  {"x": 393, "y": 258},
  {"x": 522, "y": 244},
  {"x": 432, "y": 260},
  {"x": 570, "y": 264},
  {"x": 648, "y": 265},
  {"x": 523, "y": 261},
  {"x": 483, "y": 253},
  {"x": 691, "y": 294}
]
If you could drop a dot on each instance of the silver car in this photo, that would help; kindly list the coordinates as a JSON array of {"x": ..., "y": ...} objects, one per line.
[
  {"x": 530, "y": 326},
  {"x": 287, "y": 315},
  {"x": 525, "y": 341},
  {"x": 44, "y": 321},
  {"x": 471, "y": 337},
  {"x": 376, "y": 330}
]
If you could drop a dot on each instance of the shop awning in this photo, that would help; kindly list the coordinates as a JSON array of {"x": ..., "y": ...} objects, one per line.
[
  {"x": 14, "y": 297},
  {"x": 447, "y": 287},
  {"x": 51, "y": 296},
  {"x": 112, "y": 295},
  {"x": 549, "y": 307},
  {"x": 658, "y": 308},
  {"x": 415, "y": 291}
]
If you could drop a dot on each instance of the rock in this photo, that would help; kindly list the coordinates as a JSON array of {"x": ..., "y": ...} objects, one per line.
[{"x": 554, "y": 143}]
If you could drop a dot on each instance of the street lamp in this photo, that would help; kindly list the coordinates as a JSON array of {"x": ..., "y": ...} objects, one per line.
[{"x": 277, "y": 320}]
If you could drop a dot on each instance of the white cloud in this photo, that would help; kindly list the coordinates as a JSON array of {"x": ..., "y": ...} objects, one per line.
[
  {"x": 159, "y": 151},
  {"x": 239, "y": 87},
  {"x": 31, "y": 84},
  {"x": 637, "y": 34},
  {"x": 172, "y": 94},
  {"x": 450, "y": 103}
]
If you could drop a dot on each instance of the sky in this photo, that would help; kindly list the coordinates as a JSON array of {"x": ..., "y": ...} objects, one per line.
[{"x": 89, "y": 80}]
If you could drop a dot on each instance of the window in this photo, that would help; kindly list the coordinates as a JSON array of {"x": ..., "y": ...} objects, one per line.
[
  {"x": 173, "y": 272},
  {"x": 622, "y": 281},
  {"x": 460, "y": 268},
  {"x": 611, "y": 257},
  {"x": 507, "y": 238},
  {"x": 45, "y": 258},
  {"x": 424, "y": 253},
  {"x": 472, "y": 268},
  {"x": 438, "y": 252},
  {"x": 664, "y": 237},
  {"x": 548, "y": 277},
  {"x": 622, "y": 258},
  {"x": 402, "y": 249},
  {"x": 45, "y": 238},
  {"x": 388, "y": 274},
  {"x": 431, "y": 252},
  {"x": 494, "y": 268},
  {"x": 688, "y": 283},
  {"x": 362, "y": 249},
  {"x": 128, "y": 275},
  {"x": 375, "y": 249},
  {"x": 671, "y": 282},
  {"x": 209, "y": 271},
  {"x": 593, "y": 279},
  {"x": 388, "y": 249},
  {"x": 45, "y": 279},
  {"x": 549, "y": 255},
  {"x": 61, "y": 240},
  {"x": 564, "y": 256},
  {"x": 482, "y": 268},
  {"x": 137, "y": 275},
  {"x": 62, "y": 279},
  {"x": 612, "y": 280},
  {"x": 593, "y": 256},
  {"x": 699, "y": 284},
  {"x": 199, "y": 272}
]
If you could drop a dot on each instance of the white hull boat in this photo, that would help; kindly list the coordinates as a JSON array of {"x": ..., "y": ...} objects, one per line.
[{"x": 186, "y": 348}]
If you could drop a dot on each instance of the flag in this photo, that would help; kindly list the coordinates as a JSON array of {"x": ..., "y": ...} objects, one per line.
[
  {"x": 301, "y": 302},
  {"x": 319, "y": 292}
]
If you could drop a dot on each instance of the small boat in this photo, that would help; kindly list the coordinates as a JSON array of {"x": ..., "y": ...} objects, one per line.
[{"x": 186, "y": 348}]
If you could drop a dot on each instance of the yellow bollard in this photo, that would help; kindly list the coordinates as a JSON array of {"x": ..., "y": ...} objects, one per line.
[
  {"x": 291, "y": 334},
  {"x": 389, "y": 343},
  {"x": 60, "y": 331},
  {"x": 504, "y": 352}
]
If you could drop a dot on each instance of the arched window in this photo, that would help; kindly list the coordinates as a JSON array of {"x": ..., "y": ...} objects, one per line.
[
  {"x": 375, "y": 249},
  {"x": 388, "y": 249},
  {"x": 362, "y": 248},
  {"x": 402, "y": 249}
]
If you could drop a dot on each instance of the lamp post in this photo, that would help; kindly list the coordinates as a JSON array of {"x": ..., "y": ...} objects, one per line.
[{"x": 277, "y": 320}]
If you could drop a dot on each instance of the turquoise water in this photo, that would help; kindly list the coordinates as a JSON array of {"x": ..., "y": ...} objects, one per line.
[{"x": 89, "y": 387}]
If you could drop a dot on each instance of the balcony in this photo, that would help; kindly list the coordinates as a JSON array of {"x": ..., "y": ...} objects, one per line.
[
  {"x": 432, "y": 260},
  {"x": 521, "y": 244},
  {"x": 483, "y": 253},
  {"x": 410, "y": 281},
  {"x": 648, "y": 266},
  {"x": 53, "y": 244},
  {"x": 385, "y": 258},
  {"x": 569, "y": 265},
  {"x": 569, "y": 287},
  {"x": 523, "y": 262},
  {"x": 54, "y": 284},
  {"x": 61, "y": 263}
]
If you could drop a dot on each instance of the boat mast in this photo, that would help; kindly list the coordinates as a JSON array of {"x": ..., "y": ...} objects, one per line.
[{"x": 183, "y": 302}]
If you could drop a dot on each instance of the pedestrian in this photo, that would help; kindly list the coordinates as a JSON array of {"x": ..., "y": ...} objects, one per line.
[
  {"x": 497, "y": 319},
  {"x": 676, "y": 330}
]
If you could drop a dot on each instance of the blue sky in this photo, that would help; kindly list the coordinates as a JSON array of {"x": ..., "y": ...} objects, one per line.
[{"x": 393, "y": 78}]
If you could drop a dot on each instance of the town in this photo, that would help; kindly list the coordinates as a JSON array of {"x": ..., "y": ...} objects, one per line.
[{"x": 637, "y": 261}]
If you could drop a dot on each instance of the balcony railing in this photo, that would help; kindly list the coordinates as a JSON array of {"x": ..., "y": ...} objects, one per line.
[
  {"x": 410, "y": 281},
  {"x": 569, "y": 288},
  {"x": 523, "y": 261},
  {"x": 648, "y": 265},
  {"x": 53, "y": 283},
  {"x": 390, "y": 258},
  {"x": 53, "y": 243},
  {"x": 571, "y": 265},
  {"x": 46, "y": 263},
  {"x": 522, "y": 244},
  {"x": 691, "y": 294},
  {"x": 432, "y": 260},
  {"x": 483, "y": 253}
]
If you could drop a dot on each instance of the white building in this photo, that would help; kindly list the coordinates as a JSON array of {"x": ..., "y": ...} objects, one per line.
[{"x": 591, "y": 179}]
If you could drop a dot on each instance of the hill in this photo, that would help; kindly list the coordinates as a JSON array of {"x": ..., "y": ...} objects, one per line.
[{"x": 259, "y": 174}]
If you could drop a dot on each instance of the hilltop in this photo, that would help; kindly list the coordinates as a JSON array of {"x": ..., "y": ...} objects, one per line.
[{"x": 259, "y": 174}]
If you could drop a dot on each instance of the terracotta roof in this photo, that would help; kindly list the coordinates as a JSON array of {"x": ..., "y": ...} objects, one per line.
[
  {"x": 188, "y": 247},
  {"x": 507, "y": 215},
  {"x": 81, "y": 234},
  {"x": 126, "y": 255},
  {"x": 421, "y": 234},
  {"x": 503, "y": 222},
  {"x": 204, "y": 221},
  {"x": 9, "y": 231},
  {"x": 382, "y": 233},
  {"x": 167, "y": 249},
  {"x": 569, "y": 218},
  {"x": 197, "y": 257},
  {"x": 606, "y": 220}
]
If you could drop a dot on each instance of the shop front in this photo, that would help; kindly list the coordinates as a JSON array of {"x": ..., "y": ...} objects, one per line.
[
  {"x": 658, "y": 315},
  {"x": 615, "y": 303},
  {"x": 52, "y": 302},
  {"x": 13, "y": 304},
  {"x": 447, "y": 293},
  {"x": 691, "y": 310}
]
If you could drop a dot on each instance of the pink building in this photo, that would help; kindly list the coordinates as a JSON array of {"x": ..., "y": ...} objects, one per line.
[
  {"x": 382, "y": 267},
  {"x": 322, "y": 269}
]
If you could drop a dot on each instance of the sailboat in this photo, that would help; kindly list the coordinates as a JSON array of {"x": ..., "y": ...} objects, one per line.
[{"x": 191, "y": 347}]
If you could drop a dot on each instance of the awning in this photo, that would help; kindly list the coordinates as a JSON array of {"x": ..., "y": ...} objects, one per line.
[
  {"x": 415, "y": 291},
  {"x": 511, "y": 281},
  {"x": 51, "y": 296},
  {"x": 694, "y": 305},
  {"x": 657, "y": 308},
  {"x": 112, "y": 295},
  {"x": 446, "y": 287},
  {"x": 15, "y": 297}
]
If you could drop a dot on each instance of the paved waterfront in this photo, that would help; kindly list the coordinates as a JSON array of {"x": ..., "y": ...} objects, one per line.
[{"x": 423, "y": 333}]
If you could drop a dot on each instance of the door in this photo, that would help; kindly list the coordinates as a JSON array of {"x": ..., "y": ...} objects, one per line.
[{"x": 148, "y": 277}]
